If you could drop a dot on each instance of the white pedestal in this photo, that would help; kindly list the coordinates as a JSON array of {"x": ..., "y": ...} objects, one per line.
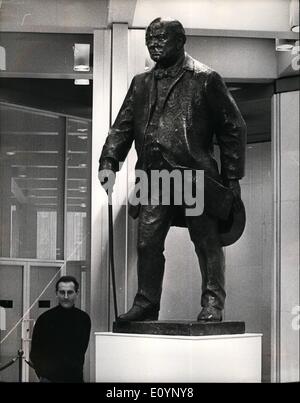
[{"x": 153, "y": 358}]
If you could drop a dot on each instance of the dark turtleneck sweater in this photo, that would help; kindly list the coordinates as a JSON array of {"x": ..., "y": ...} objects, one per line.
[{"x": 59, "y": 342}]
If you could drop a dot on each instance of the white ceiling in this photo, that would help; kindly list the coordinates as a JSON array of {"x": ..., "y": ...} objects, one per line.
[
  {"x": 265, "y": 15},
  {"x": 87, "y": 15}
]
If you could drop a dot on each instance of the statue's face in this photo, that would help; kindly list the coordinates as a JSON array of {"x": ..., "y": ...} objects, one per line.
[{"x": 161, "y": 43}]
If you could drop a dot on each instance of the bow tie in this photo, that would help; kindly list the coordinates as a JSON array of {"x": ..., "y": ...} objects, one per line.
[
  {"x": 164, "y": 73},
  {"x": 161, "y": 73}
]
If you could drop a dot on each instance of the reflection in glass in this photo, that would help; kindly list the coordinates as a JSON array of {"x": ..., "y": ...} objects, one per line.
[
  {"x": 78, "y": 134},
  {"x": 31, "y": 178},
  {"x": 44, "y": 178}
]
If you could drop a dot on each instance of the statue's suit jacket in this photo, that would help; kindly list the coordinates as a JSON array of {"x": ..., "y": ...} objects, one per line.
[{"x": 197, "y": 106}]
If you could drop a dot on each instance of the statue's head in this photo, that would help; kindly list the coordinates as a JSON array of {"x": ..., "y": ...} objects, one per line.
[{"x": 165, "y": 39}]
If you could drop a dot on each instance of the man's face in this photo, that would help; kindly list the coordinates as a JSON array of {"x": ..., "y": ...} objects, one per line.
[
  {"x": 66, "y": 294},
  {"x": 161, "y": 43}
]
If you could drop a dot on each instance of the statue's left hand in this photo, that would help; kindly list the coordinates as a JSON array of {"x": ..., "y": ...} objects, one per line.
[{"x": 234, "y": 185}]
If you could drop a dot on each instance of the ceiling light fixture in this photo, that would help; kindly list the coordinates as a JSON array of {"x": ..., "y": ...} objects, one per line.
[
  {"x": 81, "y": 56},
  {"x": 294, "y": 15},
  {"x": 284, "y": 45},
  {"x": 234, "y": 88},
  {"x": 2, "y": 58},
  {"x": 22, "y": 172},
  {"x": 81, "y": 81}
]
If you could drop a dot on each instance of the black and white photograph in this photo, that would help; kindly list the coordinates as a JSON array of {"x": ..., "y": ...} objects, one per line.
[{"x": 149, "y": 194}]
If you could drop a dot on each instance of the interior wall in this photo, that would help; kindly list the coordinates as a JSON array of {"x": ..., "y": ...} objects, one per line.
[{"x": 236, "y": 58}]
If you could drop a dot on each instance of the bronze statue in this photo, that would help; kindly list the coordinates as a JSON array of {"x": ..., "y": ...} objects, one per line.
[{"x": 172, "y": 114}]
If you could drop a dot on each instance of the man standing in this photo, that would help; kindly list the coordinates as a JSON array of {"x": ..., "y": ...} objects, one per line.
[
  {"x": 172, "y": 114},
  {"x": 61, "y": 336}
]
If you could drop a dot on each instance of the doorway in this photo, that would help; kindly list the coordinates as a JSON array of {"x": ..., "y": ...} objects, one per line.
[{"x": 27, "y": 290}]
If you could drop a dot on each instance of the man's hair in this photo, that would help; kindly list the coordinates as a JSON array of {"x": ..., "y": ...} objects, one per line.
[
  {"x": 67, "y": 279},
  {"x": 172, "y": 25}
]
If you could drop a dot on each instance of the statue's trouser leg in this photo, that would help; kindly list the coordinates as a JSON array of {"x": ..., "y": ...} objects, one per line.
[
  {"x": 154, "y": 224},
  {"x": 204, "y": 233}
]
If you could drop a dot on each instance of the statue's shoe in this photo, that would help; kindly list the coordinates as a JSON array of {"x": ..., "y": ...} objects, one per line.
[
  {"x": 139, "y": 313},
  {"x": 210, "y": 314}
]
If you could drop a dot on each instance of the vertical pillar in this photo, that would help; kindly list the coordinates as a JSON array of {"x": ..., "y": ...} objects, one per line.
[
  {"x": 286, "y": 305},
  {"x": 137, "y": 52},
  {"x": 99, "y": 263},
  {"x": 119, "y": 89}
]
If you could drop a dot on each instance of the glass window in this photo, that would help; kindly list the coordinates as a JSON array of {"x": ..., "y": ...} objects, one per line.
[
  {"x": 78, "y": 188},
  {"x": 32, "y": 183}
]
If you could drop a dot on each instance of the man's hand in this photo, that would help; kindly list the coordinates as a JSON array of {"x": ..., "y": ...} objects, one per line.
[{"x": 234, "y": 185}]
